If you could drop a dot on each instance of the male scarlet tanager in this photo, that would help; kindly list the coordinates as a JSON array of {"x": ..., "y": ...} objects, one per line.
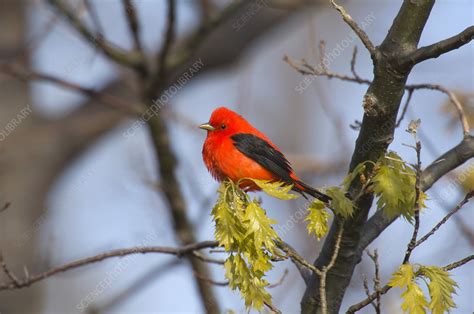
[{"x": 235, "y": 150}]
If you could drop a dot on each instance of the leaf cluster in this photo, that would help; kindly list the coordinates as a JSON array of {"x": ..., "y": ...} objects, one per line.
[
  {"x": 440, "y": 286},
  {"x": 394, "y": 185},
  {"x": 244, "y": 230}
]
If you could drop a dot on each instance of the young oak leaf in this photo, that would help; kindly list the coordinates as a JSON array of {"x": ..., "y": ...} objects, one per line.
[
  {"x": 276, "y": 189},
  {"x": 414, "y": 301},
  {"x": 441, "y": 288},
  {"x": 229, "y": 230},
  {"x": 317, "y": 219},
  {"x": 340, "y": 203},
  {"x": 260, "y": 226},
  {"x": 403, "y": 276},
  {"x": 244, "y": 230},
  {"x": 249, "y": 283},
  {"x": 394, "y": 184}
]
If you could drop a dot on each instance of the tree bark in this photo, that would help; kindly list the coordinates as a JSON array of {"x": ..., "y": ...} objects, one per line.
[{"x": 381, "y": 104}]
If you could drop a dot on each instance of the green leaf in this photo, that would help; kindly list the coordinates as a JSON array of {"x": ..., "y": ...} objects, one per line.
[
  {"x": 317, "y": 219},
  {"x": 229, "y": 229},
  {"x": 276, "y": 189},
  {"x": 403, "y": 276},
  {"x": 340, "y": 203},
  {"x": 259, "y": 226},
  {"x": 414, "y": 301},
  {"x": 245, "y": 231},
  {"x": 250, "y": 283},
  {"x": 441, "y": 288},
  {"x": 394, "y": 185}
]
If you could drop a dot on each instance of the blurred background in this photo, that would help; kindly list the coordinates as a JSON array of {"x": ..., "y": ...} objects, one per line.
[{"x": 81, "y": 183}]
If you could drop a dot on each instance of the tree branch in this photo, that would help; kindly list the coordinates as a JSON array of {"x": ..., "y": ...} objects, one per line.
[
  {"x": 24, "y": 74},
  {"x": 439, "y": 48},
  {"x": 438, "y": 168},
  {"x": 445, "y": 219},
  {"x": 129, "y": 59},
  {"x": 320, "y": 70},
  {"x": 134, "y": 27},
  {"x": 178, "y": 252},
  {"x": 355, "y": 27},
  {"x": 160, "y": 75},
  {"x": 381, "y": 104}
]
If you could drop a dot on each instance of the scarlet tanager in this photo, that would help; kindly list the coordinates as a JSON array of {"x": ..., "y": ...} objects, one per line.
[{"x": 235, "y": 150}]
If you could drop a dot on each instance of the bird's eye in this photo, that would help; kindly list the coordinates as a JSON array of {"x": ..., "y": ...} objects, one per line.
[{"x": 223, "y": 126}]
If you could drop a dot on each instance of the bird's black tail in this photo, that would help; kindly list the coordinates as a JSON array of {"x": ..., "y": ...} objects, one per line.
[{"x": 304, "y": 188}]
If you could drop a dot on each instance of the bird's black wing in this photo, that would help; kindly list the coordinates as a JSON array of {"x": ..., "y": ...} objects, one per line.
[{"x": 264, "y": 154}]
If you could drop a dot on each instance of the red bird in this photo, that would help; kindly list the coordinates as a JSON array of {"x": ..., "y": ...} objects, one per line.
[{"x": 235, "y": 150}]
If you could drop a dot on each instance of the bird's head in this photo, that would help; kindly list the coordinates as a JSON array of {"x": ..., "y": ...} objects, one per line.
[{"x": 224, "y": 122}]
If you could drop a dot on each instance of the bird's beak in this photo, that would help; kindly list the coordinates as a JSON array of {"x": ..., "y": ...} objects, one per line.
[{"x": 207, "y": 126}]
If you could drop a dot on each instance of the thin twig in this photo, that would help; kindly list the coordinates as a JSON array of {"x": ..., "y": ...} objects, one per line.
[
  {"x": 211, "y": 281},
  {"x": 14, "y": 280},
  {"x": 296, "y": 258},
  {"x": 304, "y": 68},
  {"x": 377, "y": 281},
  {"x": 365, "y": 283},
  {"x": 458, "y": 263},
  {"x": 115, "y": 53},
  {"x": 207, "y": 259},
  {"x": 179, "y": 252},
  {"x": 159, "y": 77},
  {"x": 107, "y": 99},
  {"x": 280, "y": 281},
  {"x": 445, "y": 219},
  {"x": 405, "y": 108},
  {"x": 95, "y": 18},
  {"x": 353, "y": 63},
  {"x": 355, "y": 27},
  {"x": 272, "y": 308},
  {"x": 416, "y": 227},
  {"x": 133, "y": 24},
  {"x": 326, "y": 269},
  {"x": 134, "y": 27}
]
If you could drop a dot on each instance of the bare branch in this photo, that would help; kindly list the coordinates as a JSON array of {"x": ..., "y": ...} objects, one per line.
[
  {"x": 405, "y": 107},
  {"x": 179, "y": 252},
  {"x": 134, "y": 27},
  {"x": 169, "y": 38},
  {"x": 355, "y": 27},
  {"x": 320, "y": 70},
  {"x": 95, "y": 18},
  {"x": 375, "y": 258},
  {"x": 458, "y": 263},
  {"x": 133, "y": 24},
  {"x": 305, "y": 268},
  {"x": 412, "y": 244},
  {"x": 107, "y": 99},
  {"x": 130, "y": 59},
  {"x": 14, "y": 280},
  {"x": 325, "y": 269},
  {"x": 441, "y": 47},
  {"x": 445, "y": 219},
  {"x": 280, "y": 281}
]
